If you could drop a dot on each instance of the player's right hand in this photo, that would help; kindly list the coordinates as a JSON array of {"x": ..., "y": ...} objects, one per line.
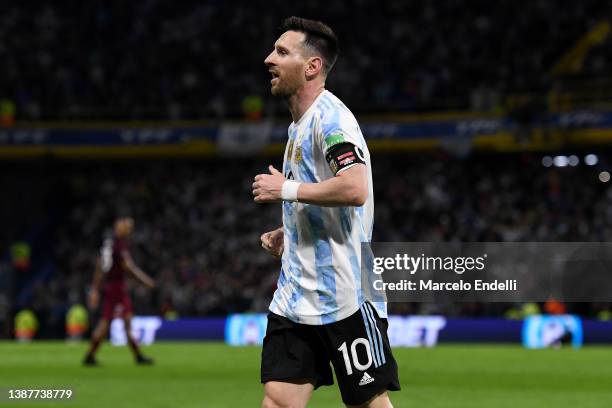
[
  {"x": 273, "y": 242},
  {"x": 93, "y": 299}
]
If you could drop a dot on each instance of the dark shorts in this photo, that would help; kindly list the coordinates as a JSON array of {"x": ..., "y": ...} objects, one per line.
[
  {"x": 357, "y": 347},
  {"x": 116, "y": 302}
]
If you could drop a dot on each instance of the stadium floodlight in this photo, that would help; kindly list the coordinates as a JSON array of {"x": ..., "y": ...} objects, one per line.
[
  {"x": 547, "y": 161},
  {"x": 573, "y": 160},
  {"x": 560, "y": 161},
  {"x": 604, "y": 176},
  {"x": 591, "y": 159}
]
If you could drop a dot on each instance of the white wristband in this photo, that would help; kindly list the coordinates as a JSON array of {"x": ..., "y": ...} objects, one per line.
[{"x": 289, "y": 191}]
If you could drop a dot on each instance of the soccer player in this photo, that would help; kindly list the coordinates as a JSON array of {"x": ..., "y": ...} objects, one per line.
[
  {"x": 112, "y": 266},
  {"x": 319, "y": 313}
]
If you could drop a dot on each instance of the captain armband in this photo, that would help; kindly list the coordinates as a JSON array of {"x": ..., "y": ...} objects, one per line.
[{"x": 344, "y": 155}]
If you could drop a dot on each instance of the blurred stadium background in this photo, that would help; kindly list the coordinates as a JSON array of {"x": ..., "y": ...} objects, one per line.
[{"x": 486, "y": 122}]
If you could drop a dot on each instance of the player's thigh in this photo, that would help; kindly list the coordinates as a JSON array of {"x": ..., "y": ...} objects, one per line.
[
  {"x": 293, "y": 352},
  {"x": 379, "y": 401},
  {"x": 295, "y": 394},
  {"x": 361, "y": 356}
]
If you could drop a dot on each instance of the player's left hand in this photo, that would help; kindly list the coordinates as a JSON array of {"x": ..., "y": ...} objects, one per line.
[
  {"x": 273, "y": 242},
  {"x": 267, "y": 187}
]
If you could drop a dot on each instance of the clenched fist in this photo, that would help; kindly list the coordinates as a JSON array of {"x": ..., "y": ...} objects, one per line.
[
  {"x": 267, "y": 188},
  {"x": 273, "y": 242}
]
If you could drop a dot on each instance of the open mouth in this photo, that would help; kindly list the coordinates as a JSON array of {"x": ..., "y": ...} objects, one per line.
[{"x": 274, "y": 76}]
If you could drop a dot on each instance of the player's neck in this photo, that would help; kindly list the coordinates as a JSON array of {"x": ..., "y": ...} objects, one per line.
[{"x": 303, "y": 99}]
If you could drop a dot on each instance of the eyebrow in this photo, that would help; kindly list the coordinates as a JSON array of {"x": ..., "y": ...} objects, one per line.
[{"x": 281, "y": 47}]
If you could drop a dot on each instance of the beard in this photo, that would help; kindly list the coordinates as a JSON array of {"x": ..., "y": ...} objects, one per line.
[{"x": 285, "y": 87}]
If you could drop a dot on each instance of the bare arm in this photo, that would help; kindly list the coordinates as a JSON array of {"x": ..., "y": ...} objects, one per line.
[
  {"x": 93, "y": 298},
  {"x": 97, "y": 279},
  {"x": 347, "y": 188},
  {"x": 128, "y": 263}
]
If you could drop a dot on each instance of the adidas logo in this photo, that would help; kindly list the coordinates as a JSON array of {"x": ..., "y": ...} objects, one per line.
[{"x": 366, "y": 379}]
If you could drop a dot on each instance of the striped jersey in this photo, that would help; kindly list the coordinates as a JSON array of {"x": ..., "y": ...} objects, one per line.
[{"x": 320, "y": 278}]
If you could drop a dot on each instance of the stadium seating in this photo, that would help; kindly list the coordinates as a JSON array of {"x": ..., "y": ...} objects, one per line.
[{"x": 198, "y": 59}]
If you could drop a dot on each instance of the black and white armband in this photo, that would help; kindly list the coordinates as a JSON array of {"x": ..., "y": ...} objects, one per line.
[{"x": 343, "y": 156}]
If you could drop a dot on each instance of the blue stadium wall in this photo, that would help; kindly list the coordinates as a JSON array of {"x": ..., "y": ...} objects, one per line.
[
  {"x": 539, "y": 331},
  {"x": 458, "y": 133}
]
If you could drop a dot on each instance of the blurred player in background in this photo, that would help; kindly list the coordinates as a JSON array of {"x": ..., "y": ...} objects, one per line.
[
  {"x": 319, "y": 313},
  {"x": 112, "y": 267}
]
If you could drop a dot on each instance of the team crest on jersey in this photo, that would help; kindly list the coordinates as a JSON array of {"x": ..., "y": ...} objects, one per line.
[{"x": 298, "y": 154}]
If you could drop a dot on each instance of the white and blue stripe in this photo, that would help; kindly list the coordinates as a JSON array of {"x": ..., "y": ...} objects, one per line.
[
  {"x": 374, "y": 336},
  {"x": 320, "y": 281}
]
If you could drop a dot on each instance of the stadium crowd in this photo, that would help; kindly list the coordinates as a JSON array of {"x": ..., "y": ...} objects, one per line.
[
  {"x": 200, "y": 59},
  {"x": 197, "y": 229}
]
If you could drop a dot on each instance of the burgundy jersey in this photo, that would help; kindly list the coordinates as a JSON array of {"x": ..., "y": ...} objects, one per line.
[{"x": 111, "y": 258}]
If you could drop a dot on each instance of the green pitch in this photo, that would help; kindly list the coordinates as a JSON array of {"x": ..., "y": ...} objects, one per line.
[{"x": 214, "y": 375}]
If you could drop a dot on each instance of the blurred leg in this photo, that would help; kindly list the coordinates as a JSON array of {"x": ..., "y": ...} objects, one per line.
[
  {"x": 140, "y": 359},
  {"x": 99, "y": 333}
]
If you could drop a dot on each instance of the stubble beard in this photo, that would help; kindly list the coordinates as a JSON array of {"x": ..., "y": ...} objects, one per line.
[{"x": 284, "y": 91}]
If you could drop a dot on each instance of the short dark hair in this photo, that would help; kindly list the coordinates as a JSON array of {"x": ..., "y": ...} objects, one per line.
[{"x": 319, "y": 36}]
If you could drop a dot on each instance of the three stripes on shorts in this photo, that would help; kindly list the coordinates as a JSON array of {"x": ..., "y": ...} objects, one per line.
[{"x": 374, "y": 337}]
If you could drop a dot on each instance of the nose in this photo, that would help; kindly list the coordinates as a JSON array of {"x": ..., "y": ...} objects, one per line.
[{"x": 269, "y": 61}]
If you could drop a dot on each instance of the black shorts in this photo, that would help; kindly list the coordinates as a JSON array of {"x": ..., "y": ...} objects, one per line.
[{"x": 357, "y": 347}]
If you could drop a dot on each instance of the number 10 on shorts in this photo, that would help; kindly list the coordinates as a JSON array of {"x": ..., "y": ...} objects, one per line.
[{"x": 354, "y": 357}]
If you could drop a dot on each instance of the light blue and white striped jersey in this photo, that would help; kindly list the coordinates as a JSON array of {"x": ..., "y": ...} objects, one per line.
[{"x": 320, "y": 279}]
